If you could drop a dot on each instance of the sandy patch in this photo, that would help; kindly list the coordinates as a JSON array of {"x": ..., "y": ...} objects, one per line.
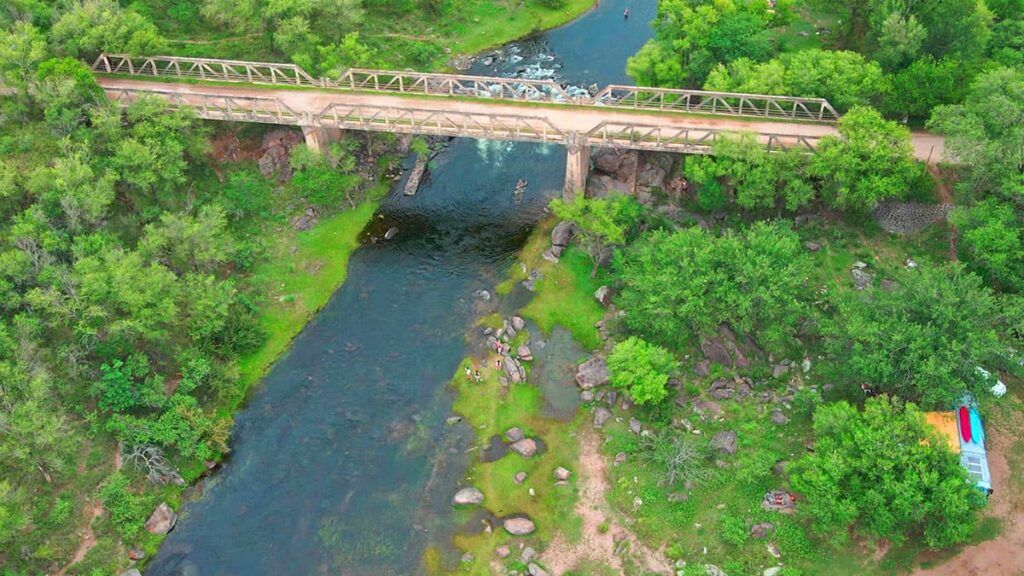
[{"x": 592, "y": 507}]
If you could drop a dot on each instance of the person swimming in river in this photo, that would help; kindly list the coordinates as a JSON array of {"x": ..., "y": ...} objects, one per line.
[
  {"x": 520, "y": 187},
  {"x": 625, "y": 14}
]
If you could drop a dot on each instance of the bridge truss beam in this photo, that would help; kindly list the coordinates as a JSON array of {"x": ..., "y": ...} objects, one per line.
[{"x": 482, "y": 87}]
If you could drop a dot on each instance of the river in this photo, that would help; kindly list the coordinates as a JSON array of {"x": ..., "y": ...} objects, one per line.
[{"x": 342, "y": 462}]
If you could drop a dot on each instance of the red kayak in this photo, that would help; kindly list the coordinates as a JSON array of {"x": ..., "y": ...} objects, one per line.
[{"x": 965, "y": 423}]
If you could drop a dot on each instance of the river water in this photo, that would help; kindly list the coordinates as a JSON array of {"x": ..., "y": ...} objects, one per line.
[{"x": 342, "y": 462}]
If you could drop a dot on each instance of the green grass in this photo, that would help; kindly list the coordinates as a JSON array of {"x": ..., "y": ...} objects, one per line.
[
  {"x": 293, "y": 291},
  {"x": 565, "y": 297},
  {"x": 490, "y": 410}
]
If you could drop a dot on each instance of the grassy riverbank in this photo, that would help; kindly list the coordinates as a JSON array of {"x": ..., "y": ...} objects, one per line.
[
  {"x": 491, "y": 408},
  {"x": 301, "y": 272}
]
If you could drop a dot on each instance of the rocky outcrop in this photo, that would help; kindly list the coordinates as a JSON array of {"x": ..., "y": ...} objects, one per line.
[
  {"x": 162, "y": 520},
  {"x": 561, "y": 236},
  {"x": 514, "y": 369},
  {"x": 592, "y": 373},
  {"x": 724, "y": 442},
  {"x": 526, "y": 447},
  {"x": 524, "y": 353},
  {"x": 468, "y": 496},
  {"x": 275, "y": 153},
  {"x": 601, "y": 415},
  {"x": 603, "y": 295},
  {"x": 519, "y": 526}
]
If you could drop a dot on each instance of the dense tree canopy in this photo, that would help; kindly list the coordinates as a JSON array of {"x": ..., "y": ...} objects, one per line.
[
  {"x": 869, "y": 161},
  {"x": 923, "y": 341},
  {"x": 683, "y": 284},
  {"x": 886, "y": 473},
  {"x": 601, "y": 222}
]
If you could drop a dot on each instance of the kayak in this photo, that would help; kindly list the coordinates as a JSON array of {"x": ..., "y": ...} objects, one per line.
[
  {"x": 977, "y": 432},
  {"x": 965, "y": 423}
]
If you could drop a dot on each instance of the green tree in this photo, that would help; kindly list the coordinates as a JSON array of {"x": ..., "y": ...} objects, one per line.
[
  {"x": 990, "y": 239},
  {"x": 869, "y": 161},
  {"x": 926, "y": 83},
  {"x": 601, "y": 222},
  {"x": 899, "y": 40},
  {"x": 89, "y": 27},
  {"x": 885, "y": 471},
  {"x": 67, "y": 92},
  {"x": 189, "y": 243},
  {"x": 921, "y": 342},
  {"x": 22, "y": 48},
  {"x": 641, "y": 370},
  {"x": 986, "y": 134},
  {"x": 762, "y": 179},
  {"x": 676, "y": 285}
]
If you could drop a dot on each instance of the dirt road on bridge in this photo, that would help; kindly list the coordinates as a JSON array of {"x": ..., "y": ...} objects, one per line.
[{"x": 566, "y": 118}]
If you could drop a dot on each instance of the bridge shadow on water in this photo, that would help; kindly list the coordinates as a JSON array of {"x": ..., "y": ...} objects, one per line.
[{"x": 342, "y": 462}]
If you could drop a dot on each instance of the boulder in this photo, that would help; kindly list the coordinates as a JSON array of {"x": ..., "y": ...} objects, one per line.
[
  {"x": 762, "y": 530},
  {"x": 634, "y": 426},
  {"x": 513, "y": 369},
  {"x": 778, "y": 417},
  {"x": 773, "y": 571},
  {"x": 812, "y": 246},
  {"x": 861, "y": 278},
  {"x": 702, "y": 368},
  {"x": 524, "y": 353},
  {"x": 468, "y": 496},
  {"x": 162, "y": 520},
  {"x": 587, "y": 396},
  {"x": 708, "y": 409},
  {"x": 780, "y": 370},
  {"x": 654, "y": 169},
  {"x": 514, "y": 434},
  {"x": 608, "y": 160},
  {"x": 562, "y": 474},
  {"x": 306, "y": 220},
  {"x": 724, "y": 442},
  {"x": 601, "y": 415},
  {"x": 136, "y": 553},
  {"x": 715, "y": 351},
  {"x": 528, "y": 554},
  {"x": 391, "y": 233},
  {"x": 602, "y": 186},
  {"x": 526, "y": 447},
  {"x": 502, "y": 551},
  {"x": 519, "y": 526},
  {"x": 592, "y": 373},
  {"x": 536, "y": 570},
  {"x": 561, "y": 236},
  {"x": 620, "y": 459},
  {"x": 712, "y": 570},
  {"x": 520, "y": 477},
  {"x": 603, "y": 295},
  {"x": 518, "y": 323}
]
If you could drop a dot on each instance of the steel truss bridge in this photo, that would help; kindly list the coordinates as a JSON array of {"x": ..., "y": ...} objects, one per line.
[{"x": 639, "y": 118}]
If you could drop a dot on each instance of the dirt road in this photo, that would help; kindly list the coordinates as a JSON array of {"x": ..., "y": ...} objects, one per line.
[{"x": 565, "y": 118}]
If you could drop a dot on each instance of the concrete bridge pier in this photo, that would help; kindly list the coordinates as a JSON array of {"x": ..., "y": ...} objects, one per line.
[
  {"x": 319, "y": 138},
  {"x": 577, "y": 166}
]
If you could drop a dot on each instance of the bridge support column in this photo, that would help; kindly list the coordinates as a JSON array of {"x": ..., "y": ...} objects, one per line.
[
  {"x": 577, "y": 167},
  {"x": 320, "y": 139}
]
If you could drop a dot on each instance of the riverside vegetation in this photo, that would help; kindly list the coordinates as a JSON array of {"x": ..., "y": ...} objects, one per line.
[{"x": 149, "y": 278}]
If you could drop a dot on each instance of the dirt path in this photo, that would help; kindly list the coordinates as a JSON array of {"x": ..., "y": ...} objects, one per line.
[
  {"x": 945, "y": 197},
  {"x": 592, "y": 507},
  {"x": 1002, "y": 556},
  {"x": 94, "y": 511}
]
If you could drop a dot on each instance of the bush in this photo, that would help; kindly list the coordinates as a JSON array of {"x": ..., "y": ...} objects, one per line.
[
  {"x": 641, "y": 369},
  {"x": 125, "y": 506}
]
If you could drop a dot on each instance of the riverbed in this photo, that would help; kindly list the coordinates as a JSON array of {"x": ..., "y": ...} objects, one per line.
[{"x": 342, "y": 461}]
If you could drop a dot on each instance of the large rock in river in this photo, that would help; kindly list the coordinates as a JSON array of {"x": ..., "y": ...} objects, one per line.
[
  {"x": 468, "y": 496},
  {"x": 162, "y": 520},
  {"x": 519, "y": 526},
  {"x": 592, "y": 373}
]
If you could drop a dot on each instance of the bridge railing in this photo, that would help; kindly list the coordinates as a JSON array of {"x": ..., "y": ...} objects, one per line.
[
  {"x": 516, "y": 89},
  {"x": 688, "y": 140},
  {"x": 216, "y": 107},
  {"x": 205, "y": 69},
  {"x": 453, "y": 85},
  {"x": 440, "y": 122},
  {"x": 719, "y": 103}
]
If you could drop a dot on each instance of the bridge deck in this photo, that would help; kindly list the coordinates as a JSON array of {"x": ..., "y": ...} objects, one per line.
[{"x": 566, "y": 120}]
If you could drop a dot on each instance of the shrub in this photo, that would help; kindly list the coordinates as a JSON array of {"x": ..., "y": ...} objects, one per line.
[{"x": 641, "y": 369}]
